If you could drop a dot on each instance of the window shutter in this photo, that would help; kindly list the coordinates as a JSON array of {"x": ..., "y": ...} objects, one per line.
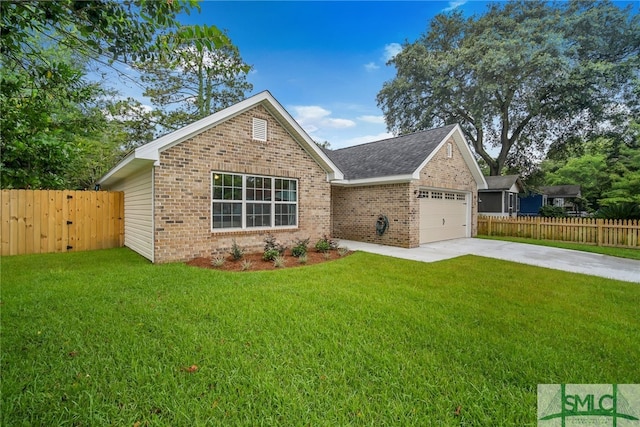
[{"x": 259, "y": 129}]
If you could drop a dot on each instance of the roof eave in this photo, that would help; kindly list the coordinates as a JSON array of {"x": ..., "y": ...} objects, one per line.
[
  {"x": 151, "y": 151},
  {"x": 130, "y": 164},
  {"x": 381, "y": 180}
]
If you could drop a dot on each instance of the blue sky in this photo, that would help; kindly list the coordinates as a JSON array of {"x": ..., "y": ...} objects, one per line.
[{"x": 325, "y": 62}]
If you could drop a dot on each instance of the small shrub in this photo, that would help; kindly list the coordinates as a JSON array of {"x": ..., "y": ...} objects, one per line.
[
  {"x": 549, "y": 211},
  {"x": 270, "y": 254},
  {"x": 300, "y": 247},
  {"x": 302, "y": 259},
  {"x": 327, "y": 255},
  {"x": 246, "y": 265},
  {"x": 272, "y": 248},
  {"x": 236, "y": 251},
  {"x": 323, "y": 245},
  {"x": 218, "y": 261},
  {"x": 342, "y": 251},
  {"x": 279, "y": 261}
]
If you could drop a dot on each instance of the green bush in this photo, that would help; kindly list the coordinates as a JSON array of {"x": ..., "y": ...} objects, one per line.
[
  {"x": 323, "y": 245},
  {"x": 272, "y": 248},
  {"x": 236, "y": 251},
  {"x": 270, "y": 254},
  {"x": 300, "y": 247},
  {"x": 549, "y": 211},
  {"x": 623, "y": 210}
]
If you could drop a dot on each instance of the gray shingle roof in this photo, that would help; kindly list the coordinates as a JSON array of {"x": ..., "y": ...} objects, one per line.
[
  {"x": 562, "y": 191},
  {"x": 394, "y": 156},
  {"x": 500, "y": 182}
]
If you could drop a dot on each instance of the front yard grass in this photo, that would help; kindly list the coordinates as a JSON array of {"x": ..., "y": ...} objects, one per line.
[
  {"x": 105, "y": 338},
  {"x": 602, "y": 250}
]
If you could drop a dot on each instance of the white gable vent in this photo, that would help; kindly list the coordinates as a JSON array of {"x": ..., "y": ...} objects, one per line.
[{"x": 259, "y": 129}]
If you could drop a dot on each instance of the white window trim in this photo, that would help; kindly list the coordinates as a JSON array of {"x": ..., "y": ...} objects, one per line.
[{"x": 244, "y": 204}]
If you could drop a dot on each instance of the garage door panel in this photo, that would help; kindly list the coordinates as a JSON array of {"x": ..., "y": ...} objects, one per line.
[{"x": 443, "y": 216}]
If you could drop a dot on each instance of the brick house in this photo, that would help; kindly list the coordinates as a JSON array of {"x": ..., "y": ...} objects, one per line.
[
  {"x": 423, "y": 185},
  {"x": 250, "y": 170}
]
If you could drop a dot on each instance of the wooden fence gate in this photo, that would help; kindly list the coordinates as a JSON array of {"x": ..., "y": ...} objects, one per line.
[{"x": 41, "y": 221}]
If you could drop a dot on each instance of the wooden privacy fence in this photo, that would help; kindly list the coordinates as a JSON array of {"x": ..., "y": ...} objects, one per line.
[
  {"x": 601, "y": 232},
  {"x": 40, "y": 221}
]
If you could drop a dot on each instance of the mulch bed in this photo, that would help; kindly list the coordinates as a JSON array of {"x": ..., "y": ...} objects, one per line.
[{"x": 258, "y": 264}]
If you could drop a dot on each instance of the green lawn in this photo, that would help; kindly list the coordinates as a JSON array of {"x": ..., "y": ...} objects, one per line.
[
  {"x": 105, "y": 338},
  {"x": 602, "y": 250}
]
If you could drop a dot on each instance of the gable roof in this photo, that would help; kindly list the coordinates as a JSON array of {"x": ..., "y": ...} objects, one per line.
[
  {"x": 150, "y": 152},
  {"x": 399, "y": 159},
  {"x": 388, "y": 157},
  {"x": 503, "y": 182},
  {"x": 562, "y": 191}
]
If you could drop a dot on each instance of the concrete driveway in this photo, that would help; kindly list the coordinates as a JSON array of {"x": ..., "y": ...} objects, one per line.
[{"x": 541, "y": 256}]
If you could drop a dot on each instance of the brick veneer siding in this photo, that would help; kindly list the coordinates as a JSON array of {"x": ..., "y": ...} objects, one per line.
[
  {"x": 355, "y": 209},
  {"x": 183, "y": 188}
]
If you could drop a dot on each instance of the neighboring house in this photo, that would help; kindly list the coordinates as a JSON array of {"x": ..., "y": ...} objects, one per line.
[
  {"x": 530, "y": 205},
  {"x": 557, "y": 195},
  {"x": 250, "y": 170},
  {"x": 501, "y": 196},
  {"x": 563, "y": 196}
]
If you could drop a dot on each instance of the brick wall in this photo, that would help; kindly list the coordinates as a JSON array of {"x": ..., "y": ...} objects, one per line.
[
  {"x": 356, "y": 209},
  {"x": 183, "y": 188}
]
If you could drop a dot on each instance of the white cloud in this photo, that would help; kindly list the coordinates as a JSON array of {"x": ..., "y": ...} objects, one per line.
[
  {"x": 391, "y": 50},
  {"x": 339, "y": 123},
  {"x": 313, "y": 118},
  {"x": 454, "y": 4},
  {"x": 371, "y": 66},
  {"x": 372, "y": 119}
]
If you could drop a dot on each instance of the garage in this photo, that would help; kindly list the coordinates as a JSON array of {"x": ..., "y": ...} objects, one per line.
[
  {"x": 424, "y": 185},
  {"x": 444, "y": 215}
]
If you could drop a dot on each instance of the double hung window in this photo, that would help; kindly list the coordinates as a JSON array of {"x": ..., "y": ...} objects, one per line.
[{"x": 250, "y": 201}]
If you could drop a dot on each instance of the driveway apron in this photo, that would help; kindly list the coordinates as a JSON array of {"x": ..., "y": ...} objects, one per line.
[{"x": 541, "y": 256}]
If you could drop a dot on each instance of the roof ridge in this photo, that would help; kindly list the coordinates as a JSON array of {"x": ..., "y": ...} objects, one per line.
[{"x": 393, "y": 137}]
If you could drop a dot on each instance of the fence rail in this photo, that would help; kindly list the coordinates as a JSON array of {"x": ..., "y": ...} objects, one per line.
[
  {"x": 601, "y": 232},
  {"x": 41, "y": 221}
]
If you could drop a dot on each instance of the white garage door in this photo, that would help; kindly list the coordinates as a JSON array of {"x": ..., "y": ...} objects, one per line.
[{"x": 443, "y": 215}]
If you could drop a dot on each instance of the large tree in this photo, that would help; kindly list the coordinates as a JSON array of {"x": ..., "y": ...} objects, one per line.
[
  {"x": 54, "y": 129},
  {"x": 606, "y": 167},
  {"x": 186, "y": 83},
  {"x": 100, "y": 30},
  {"x": 520, "y": 76},
  {"x": 45, "y": 113}
]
